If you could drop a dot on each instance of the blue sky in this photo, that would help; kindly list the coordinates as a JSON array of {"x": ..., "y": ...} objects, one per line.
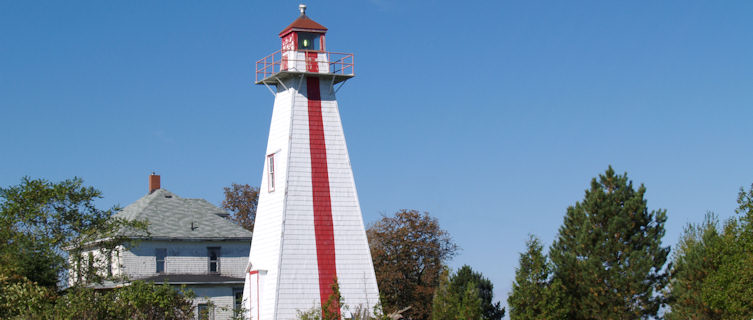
[{"x": 493, "y": 116}]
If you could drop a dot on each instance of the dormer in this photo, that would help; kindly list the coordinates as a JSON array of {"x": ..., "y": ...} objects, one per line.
[{"x": 304, "y": 34}]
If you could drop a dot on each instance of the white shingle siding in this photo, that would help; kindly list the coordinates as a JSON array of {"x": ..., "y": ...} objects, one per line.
[
  {"x": 184, "y": 257},
  {"x": 221, "y": 297},
  {"x": 296, "y": 61},
  {"x": 298, "y": 280},
  {"x": 285, "y": 219},
  {"x": 355, "y": 270},
  {"x": 100, "y": 263}
]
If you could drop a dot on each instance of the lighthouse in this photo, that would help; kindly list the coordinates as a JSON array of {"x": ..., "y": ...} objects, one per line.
[{"x": 309, "y": 233}]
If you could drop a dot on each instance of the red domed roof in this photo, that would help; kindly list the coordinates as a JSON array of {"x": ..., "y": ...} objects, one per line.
[{"x": 304, "y": 23}]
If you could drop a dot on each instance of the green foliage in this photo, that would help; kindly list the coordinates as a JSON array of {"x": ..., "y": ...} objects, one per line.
[
  {"x": 606, "y": 263},
  {"x": 608, "y": 254},
  {"x": 40, "y": 221},
  {"x": 147, "y": 300},
  {"x": 20, "y": 297},
  {"x": 533, "y": 295},
  {"x": 331, "y": 310},
  {"x": 456, "y": 298},
  {"x": 331, "y": 307},
  {"x": 139, "y": 300},
  {"x": 311, "y": 314},
  {"x": 745, "y": 206},
  {"x": 408, "y": 250},
  {"x": 23, "y": 299},
  {"x": 712, "y": 272},
  {"x": 460, "y": 293}
]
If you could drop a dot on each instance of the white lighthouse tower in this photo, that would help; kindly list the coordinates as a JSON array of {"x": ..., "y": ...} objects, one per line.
[{"x": 309, "y": 232}]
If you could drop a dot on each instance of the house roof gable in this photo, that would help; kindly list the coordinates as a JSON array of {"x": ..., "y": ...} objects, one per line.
[{"x": 173, "y": 217}]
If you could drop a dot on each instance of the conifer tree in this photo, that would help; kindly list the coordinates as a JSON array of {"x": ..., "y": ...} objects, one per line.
[
  {"x": 712, "y": 273},
  {"x": 533, "y": 296},
  {"x": 698, "y": 255},
  {"x": 608, "y": 255},
  {"x": 482, "y": 286},
  {"x": 454, "y": 300}
]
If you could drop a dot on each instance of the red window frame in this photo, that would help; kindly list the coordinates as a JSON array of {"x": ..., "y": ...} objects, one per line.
[{"x": 271, "y": 172}]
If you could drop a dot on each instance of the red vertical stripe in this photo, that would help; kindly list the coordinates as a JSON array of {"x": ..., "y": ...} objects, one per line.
[
  {"x": 323, "y": 229},
  {"x": 312, "y": 66}
]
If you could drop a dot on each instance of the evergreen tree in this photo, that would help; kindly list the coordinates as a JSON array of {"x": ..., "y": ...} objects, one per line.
[
  {"x": 466, "y": 276},
  {"x": 533, "y": 296},
  {"x": 454, "y": 300},
  {"x": 712, "y": 273},
  {"x": 608, "y": 255},
  {"x": 697, "y": 256}
]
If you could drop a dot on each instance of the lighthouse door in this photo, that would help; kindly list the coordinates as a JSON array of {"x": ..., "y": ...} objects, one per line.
[{"x": 256, "y": 279}]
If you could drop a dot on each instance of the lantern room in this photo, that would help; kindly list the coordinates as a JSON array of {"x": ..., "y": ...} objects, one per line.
[
  {"x": 304, "y": 52},
  {"x": 304, "y": 34}
]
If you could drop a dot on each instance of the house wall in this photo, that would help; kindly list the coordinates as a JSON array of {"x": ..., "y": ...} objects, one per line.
[
  {"x": 221, "y": 297},
  {"x": 101, "y": 258},
  {"x": 184, "y": 257}
]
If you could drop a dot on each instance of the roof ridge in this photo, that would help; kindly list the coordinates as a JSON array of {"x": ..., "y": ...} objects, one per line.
[
  {"x": 150, "y": 200},
  {"x": 172, "y": 216}
]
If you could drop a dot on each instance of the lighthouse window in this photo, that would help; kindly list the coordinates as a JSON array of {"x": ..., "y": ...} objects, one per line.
[
  {"x": 308, "y": 41},
  {"x": 271, "y": 170}
]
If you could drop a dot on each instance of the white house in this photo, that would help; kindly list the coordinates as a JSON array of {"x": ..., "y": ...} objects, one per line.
[{"x": 191, "y": 243}]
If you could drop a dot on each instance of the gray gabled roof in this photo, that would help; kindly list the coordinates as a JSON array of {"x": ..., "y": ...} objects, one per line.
[{"x": 172, "y": 217}]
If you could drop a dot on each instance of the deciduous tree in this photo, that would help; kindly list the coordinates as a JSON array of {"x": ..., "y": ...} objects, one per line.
[
  {"x": 39, "y": 222},
  {"x": 409, "y": 250},
  {"x": 241, "y": 200},
  {"x": 42, "y": 223}
]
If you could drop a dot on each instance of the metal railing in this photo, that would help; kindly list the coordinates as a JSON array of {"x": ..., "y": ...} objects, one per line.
[{"x": 339, "y": 63}]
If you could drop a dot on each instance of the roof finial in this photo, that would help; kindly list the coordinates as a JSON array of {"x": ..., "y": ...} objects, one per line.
[{"x": 302, "y": 7}]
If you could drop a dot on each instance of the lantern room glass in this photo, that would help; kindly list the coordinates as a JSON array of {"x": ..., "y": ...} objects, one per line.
[{"x": 308, "y": 41}]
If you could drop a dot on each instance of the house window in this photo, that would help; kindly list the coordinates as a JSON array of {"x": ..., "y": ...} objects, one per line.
[
  {"x": 78, "y": 267},
  {"x": 109, "y": 264},
  {"x": 159, "y": 255},
  {"x": 271, "y": 168},
  {"x": 90, "y": 266},
  {"x": 213, "y": 254},
  {"x": 237, "y": 299},
  {"x": 204, "y": 312}
]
